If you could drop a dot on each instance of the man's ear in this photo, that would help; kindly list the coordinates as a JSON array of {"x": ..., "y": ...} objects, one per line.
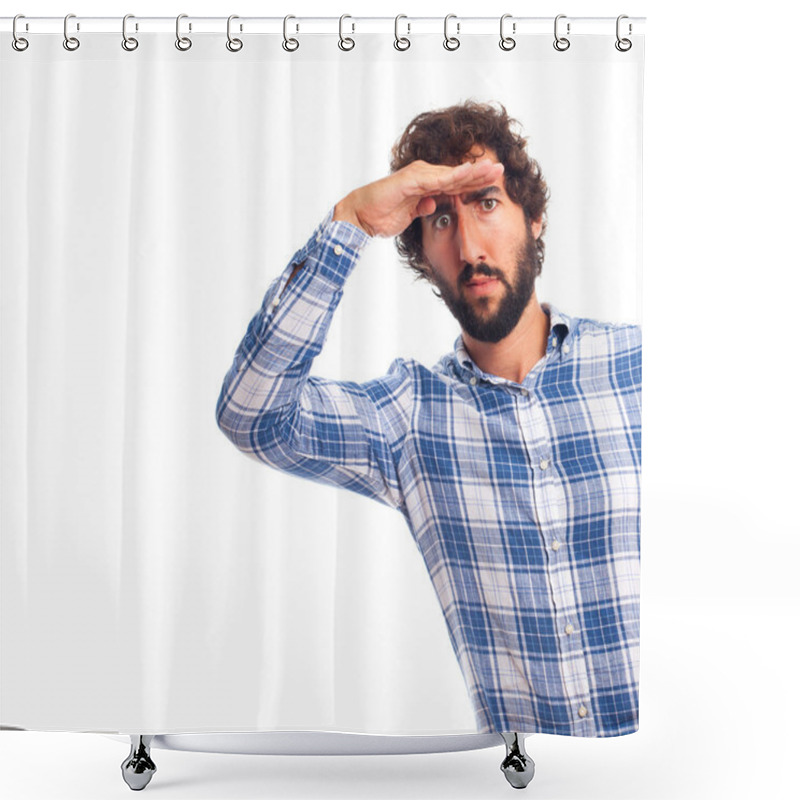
[{"x": 536, "y": 228}]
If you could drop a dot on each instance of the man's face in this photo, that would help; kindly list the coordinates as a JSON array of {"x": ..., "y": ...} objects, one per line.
[{"x": 481, "y": 256}]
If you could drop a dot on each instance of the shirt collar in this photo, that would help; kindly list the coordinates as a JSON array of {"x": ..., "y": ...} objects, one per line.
[{"x": 560, "y": 327}]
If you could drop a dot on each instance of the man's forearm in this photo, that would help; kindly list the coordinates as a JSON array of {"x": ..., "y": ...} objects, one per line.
[
  {"x": 343, "y": 211},
  {"x": 272, "y": 362}
]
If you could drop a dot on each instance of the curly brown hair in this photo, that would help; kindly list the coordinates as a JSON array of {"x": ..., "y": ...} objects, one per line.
[{"x": 447, "y": 136}]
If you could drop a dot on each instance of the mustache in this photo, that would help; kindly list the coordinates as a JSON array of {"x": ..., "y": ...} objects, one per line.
[{"x": 471, "y": 270}]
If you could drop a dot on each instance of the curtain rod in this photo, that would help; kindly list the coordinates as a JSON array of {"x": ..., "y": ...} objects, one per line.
[{"x": 463, "y": 26}]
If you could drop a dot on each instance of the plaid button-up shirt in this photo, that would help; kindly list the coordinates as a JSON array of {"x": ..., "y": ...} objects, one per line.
[{"x": 523, "y": 498}]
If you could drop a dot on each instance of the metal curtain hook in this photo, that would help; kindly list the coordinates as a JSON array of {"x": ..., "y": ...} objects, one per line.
[
  {"x": 401, "y": 43},
  {"x": 623, "y": 45},
  {"x": 561, "y": 43},
  {"x": 506, "y": 42},
  {"x": 18, "y": 43},
  {"x": 290, "y": 45},
  {"x": 128, "y": 42},
  {"x": 345, "y": 42},
  {"x": 451, "y": 42},
  {"x": 234, "y": 45},
  {"x": 181, "y": 42},
  {"x": 70, "y": 42}
]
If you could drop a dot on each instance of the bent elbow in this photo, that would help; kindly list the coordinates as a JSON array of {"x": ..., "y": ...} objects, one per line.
[
  {"x": 255, "y": 433},
  {"x": 230, "y": 423}
]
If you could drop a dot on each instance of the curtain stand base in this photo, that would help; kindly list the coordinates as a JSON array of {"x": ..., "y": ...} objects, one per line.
[
  {"x": 517, "y": 766},
  {"x": 138, "y": 768}
]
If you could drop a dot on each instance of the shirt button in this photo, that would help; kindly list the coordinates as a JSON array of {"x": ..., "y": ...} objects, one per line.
[
  {"x": 275, "y": 303},
  {"x": 583, "y": 711},
  {"x": 544, "y": 463},
  {"x": 569, "y": 629},
  {"x": 524, "y": 392},
  {"x": 556, "y": 544},
  {"x": 319, "y": 237},
  {"x": 338, "y": 250},
  {"x": 473, "y": 380},
  {"x": 565, "y": 348}
]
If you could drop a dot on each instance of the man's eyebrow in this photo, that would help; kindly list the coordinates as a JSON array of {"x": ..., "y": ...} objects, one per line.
[
  {"x": 446, "y": 207},
  {"x": 480, "y": 194}
]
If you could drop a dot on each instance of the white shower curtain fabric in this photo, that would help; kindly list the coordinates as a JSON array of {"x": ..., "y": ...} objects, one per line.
[{"x": 153, "y": 579}]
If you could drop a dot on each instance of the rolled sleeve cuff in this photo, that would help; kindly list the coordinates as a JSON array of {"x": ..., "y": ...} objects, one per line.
[
  {"x": 328, "y": 258},
  {"x": 333, "y": 249}
]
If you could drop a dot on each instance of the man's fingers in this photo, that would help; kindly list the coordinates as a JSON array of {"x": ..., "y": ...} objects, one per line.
[
  {"x": 476, "y": 180},
  {"x": 469, "y": 176},
  {"x": 425, "y": 207}
]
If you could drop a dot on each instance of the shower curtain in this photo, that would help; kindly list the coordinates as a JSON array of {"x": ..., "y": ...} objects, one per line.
[{"x": 155, "y": 580}]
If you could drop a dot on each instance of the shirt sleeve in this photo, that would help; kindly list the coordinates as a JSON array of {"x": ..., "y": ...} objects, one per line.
[{"x": 339, "y": 433}]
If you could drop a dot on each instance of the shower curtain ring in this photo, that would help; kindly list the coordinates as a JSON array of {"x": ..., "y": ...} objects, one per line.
[
  {"x": 182, "y": 42},
  {"x": 451, "y": 42},
  {"x": 623, "y": 45},
  {"x": 18, "y": 43},
  {"x": 561, "y": 43},
  {"x": 401, "y": 42},
  {"x": 345, "y": 42},
  {"x": 128, "y": 42},
  {"x": 234, "y": 45},
  {"x": 506, "y": 42},
  {"x": 290, "y": 45},
  {"x": 70, "y": 42}
]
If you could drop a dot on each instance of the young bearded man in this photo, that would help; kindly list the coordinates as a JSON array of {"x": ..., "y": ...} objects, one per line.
[{"x": 515, "y": 460}]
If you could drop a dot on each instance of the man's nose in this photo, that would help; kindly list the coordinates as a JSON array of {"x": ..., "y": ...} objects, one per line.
[{"x": 470, "y": 240}]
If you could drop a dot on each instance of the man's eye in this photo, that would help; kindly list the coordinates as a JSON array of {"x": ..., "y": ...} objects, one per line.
[
  {"x": 441, "y": 222},
  {"x": 488, "y": 203}
]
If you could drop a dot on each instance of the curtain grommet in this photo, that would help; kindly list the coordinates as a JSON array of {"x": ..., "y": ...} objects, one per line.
[
  {"x": 233, "y": 45},
  {"x": 19, "y": 43},
  {"x": 451, "y": 42},
  {"x": 129, "y": 43},
  {"x": 70, "y": 43},
  {"x": 345, "y": 42},
  {"x": 183, "y": 43},
  {"x": 289, "y": 44},
  {"x": 401, "y": 43},
  {"x": 506, "y": 42},
  {"x": 561, "y": 43}
]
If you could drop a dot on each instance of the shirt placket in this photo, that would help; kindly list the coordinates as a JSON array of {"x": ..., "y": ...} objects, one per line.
[{"x": 550, "y": 513}]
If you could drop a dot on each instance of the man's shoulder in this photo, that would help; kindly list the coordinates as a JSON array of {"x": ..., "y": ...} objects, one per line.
[
  {"x": 402, "y": 375},
  {"x": 621, "y": 334},
  {"x": 408, "y": 370},
  {"x": 421, "y": 380}
]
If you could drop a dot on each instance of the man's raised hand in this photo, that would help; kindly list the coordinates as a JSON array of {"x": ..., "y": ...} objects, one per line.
[{"x": 389, "y": 205}]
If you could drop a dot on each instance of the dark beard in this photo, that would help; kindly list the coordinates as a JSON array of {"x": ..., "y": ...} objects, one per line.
[{"x": 512, "y": 304}]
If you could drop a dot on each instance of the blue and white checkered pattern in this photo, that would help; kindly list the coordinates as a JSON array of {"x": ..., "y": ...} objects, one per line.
[{"x": 522, "y": 498}]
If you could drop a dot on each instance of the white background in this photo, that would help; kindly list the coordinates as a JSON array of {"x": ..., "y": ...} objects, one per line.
[{"x": 720, "y": 542}]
